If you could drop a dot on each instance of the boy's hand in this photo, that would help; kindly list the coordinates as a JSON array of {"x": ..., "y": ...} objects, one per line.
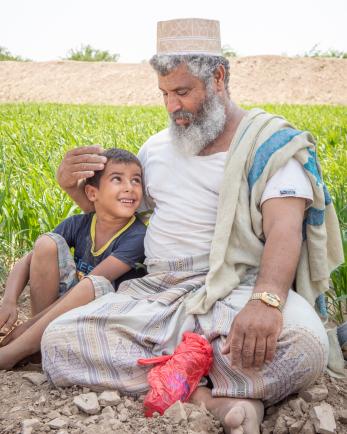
[
  {"x": 8, "y": 316},
  {"x": 79, "y": 163}
]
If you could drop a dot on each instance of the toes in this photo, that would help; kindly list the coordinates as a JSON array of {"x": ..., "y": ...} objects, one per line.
[{"x": 235, "y": 418}]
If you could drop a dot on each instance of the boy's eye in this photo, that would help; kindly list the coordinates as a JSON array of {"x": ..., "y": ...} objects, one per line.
[
  {"x": 116, "y": 178},
  {"x": 136, "y": 181}
]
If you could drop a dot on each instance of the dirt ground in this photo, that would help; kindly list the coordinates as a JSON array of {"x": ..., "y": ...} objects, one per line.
[
  {"x": 30, "y": 405},
  {"x": 257, "y": 79}
]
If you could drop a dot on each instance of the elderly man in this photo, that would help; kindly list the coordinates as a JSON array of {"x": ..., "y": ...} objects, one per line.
[{"x": 240, "y": 216}]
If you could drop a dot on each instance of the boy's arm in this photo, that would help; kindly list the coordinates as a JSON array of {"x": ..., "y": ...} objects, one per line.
[
  {"x": 111, "y": 268},
  {"x": 15, "y": 284}
]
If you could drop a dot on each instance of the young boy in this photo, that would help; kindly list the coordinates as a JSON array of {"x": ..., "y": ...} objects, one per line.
[{"x": 106, "y": 243}]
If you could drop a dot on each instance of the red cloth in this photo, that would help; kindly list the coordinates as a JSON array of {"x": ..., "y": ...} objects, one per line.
[{"x": 177, "y": 376}]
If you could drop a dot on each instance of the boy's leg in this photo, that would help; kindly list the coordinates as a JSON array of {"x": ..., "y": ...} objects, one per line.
[
  {"x": 29, "y": 341},
  {"x": 52, "y": 267}
]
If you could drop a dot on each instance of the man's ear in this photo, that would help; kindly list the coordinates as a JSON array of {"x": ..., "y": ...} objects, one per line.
[
  {"x": 219, "y": 77},
  {"x": 91, "y": 192}
]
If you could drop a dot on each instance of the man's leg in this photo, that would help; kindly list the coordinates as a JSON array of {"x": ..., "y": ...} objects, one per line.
[
  {"x": 44, "y": 274},
  {"x": 238, "y": 416},
  {"x": 29, "y": 341}
]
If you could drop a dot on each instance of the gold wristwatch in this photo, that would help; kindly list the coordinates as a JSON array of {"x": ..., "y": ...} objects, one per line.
[{"x": 269, "y": 299}]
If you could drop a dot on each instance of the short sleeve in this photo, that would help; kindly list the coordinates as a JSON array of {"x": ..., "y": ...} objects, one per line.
[
  {"x": 130, "y": 248},
  {"x": 69, "y": 228},
  {"x": 146, "y": 203},
  {"x": 289, "y": 181}
]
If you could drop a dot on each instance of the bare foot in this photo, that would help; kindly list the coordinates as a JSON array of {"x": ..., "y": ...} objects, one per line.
[
  {"x": 238, "y": 416},
  {"x": 242, "y": 416}
]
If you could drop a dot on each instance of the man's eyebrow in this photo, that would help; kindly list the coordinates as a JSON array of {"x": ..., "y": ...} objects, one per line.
[{"x": 175, "y": 89}]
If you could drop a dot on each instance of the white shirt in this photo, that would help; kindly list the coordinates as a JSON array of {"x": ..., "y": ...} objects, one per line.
[{"x": 185, "y": 191}]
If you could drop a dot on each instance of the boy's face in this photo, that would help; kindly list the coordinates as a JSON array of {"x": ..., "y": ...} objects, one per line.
[{"x": 120, "y": 190}]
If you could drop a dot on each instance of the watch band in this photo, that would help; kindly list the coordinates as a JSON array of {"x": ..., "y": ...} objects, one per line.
[{"x": 268, "y": 298}]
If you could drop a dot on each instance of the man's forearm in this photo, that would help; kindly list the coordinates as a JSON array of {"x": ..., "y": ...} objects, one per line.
[
  {"x": 78, "y": 195},
  {"x": 279, "y": 260}
]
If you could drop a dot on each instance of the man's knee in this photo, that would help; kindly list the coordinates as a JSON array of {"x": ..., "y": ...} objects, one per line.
[{"x": 300, "y": 359}]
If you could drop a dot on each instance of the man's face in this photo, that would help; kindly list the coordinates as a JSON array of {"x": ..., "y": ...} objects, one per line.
[
  {"x": 197, "y": 114},
  {"x": 120, "y": 190}
]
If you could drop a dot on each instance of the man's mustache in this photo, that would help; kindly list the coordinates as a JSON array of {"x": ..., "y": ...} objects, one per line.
[{"x": 181, "y": 114}]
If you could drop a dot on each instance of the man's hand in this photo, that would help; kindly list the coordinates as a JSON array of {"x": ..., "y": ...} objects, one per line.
[
  {"x": 8, "y": 316},
  {"x": 253, "y": 336},
  {"x": 79, "y": 163}
]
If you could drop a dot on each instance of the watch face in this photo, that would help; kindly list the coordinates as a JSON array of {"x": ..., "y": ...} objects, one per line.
[{"x": 271, "y": 299}]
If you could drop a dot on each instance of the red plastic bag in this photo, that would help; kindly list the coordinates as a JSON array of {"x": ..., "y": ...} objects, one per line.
[{"x": 177, "y": 375}]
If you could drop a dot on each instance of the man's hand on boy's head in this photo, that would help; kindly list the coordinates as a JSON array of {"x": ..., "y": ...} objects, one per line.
[{"x": 79, "y": 163}]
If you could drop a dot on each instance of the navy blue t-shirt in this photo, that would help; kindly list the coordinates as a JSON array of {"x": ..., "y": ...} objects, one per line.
[{"x": 126, "y": 245}]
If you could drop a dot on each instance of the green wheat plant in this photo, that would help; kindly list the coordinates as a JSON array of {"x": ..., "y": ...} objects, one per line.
[{"x": 34, "y": 138}]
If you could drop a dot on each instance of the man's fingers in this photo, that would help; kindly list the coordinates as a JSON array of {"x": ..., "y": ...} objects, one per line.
[
  {"x": 270, "y": 347},
  {"x": 93, "y": 149},
  {"x": 260, "y": 352},
  {"x": 236, "y": 344},
  {"x": 88, "y": 158},
  {"x": 82, "y": 175},
  {"x": 86, "y": 167},
  {"x": 248, "y": 351}
]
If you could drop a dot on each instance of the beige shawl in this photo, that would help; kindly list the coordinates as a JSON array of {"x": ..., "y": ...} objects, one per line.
[{"x": 262, "y": 144}]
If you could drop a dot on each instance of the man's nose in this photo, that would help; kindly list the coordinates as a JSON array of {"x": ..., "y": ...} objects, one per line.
[{"x": 173, "y": 104}]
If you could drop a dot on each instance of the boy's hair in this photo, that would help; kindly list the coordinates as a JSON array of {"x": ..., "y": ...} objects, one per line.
[{"x": 116, "y": 155}]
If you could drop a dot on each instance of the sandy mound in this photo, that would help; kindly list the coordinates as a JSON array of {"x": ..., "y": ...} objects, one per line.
[{"x": 254, "y": 80}]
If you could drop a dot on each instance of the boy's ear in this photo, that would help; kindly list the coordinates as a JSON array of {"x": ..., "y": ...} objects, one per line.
[{"x": 91, "y": 192}]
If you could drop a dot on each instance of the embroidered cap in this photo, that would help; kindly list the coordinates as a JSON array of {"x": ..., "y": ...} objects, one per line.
[{"x": 189, "y": 36}]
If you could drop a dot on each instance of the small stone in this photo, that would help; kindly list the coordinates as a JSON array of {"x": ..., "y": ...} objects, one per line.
[
  {"x": 85, "y": 390},
  {"x": 128, "y": 403},
  {"x": 194, "y": 415},
  {"x": 123, "y": 415},
  {"x": 297, "y": 406},
  {"x": 28, "y": 425},
  {"x": 53, "y": 414},
  {"x": 35, "y": 378},
  {"x": 88, "y": 403},
  {"x": 296, "y": 427},
  {"x": 16, "y": 408},
  {"x": 62, "y": 431},
  {"x": 343, "y": 416},
  {"x": 58, "y": 423},
  {"x": 176, "y": 412},
  {"x": 66, "y": 411},
  {"x": 108, "y": 412},
  {"x": 289, "y": 420},
  {"x": 109, "y": 397},
  {"x": 156, "y": 414},
  {"x": 91, "y": 420},
  {"x": 314, "y": 393},
  {"x": 308, "y": 428},
  {"x": 323, "y": 419},
  {"x": 280, "y": 426}
]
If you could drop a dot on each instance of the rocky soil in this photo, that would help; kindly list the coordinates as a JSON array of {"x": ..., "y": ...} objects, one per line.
[
  {"x": 30, "y": 405},
  {"x": 258, "y": 79}
]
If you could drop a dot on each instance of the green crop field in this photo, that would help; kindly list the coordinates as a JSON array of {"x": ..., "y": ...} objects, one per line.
[{"x": 34, "y": 137}]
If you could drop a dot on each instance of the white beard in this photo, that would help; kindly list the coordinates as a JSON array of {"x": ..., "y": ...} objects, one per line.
[{"x": 208, "y": 123}]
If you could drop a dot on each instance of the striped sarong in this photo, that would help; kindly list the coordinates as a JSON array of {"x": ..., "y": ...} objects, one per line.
[{"x": 98, "y": 345}]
